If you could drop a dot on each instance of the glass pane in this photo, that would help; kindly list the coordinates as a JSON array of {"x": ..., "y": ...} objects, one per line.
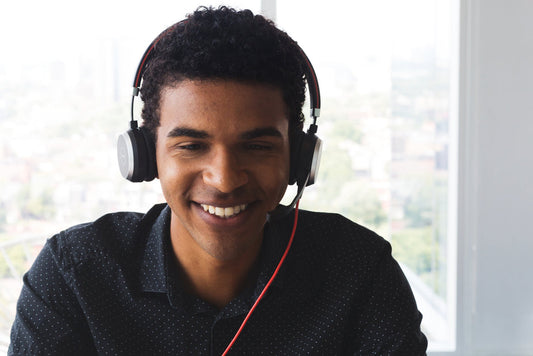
[
  {"x": 386, "y": 74},
  {"x": 66, "y": 73}
]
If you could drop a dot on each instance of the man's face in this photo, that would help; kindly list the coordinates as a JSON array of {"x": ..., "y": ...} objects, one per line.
[{"x": 223, "y": 161}]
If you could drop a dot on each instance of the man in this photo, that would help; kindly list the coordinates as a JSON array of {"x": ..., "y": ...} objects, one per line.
[{"x": 223, "y": 94}]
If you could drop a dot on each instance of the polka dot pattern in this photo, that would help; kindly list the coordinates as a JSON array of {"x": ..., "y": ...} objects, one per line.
[{"x": 111, "y": 287}]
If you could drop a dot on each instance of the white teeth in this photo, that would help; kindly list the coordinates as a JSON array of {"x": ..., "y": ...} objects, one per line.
[
  {"x": 228, "y": 211},
  {"x": 224, "y": 212}
]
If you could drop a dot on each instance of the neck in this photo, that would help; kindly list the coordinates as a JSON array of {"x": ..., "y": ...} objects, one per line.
[
  {"x": 215, "y": 280},
  {"x": 216, "y": 284}
]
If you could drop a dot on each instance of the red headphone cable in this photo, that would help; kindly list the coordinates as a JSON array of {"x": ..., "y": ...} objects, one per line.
[{"x": 269, "y": 282}]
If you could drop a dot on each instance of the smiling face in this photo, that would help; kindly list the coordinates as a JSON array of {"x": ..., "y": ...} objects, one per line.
[{"x": 223, "y": 162}]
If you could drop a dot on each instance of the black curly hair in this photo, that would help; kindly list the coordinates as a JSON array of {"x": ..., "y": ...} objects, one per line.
[{"x": 225, "y": 44}]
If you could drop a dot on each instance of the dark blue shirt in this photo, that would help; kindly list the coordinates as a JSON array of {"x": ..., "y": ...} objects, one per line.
[{"x": 112, "y": 287}]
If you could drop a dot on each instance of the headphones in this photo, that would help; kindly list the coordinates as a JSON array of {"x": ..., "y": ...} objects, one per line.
[{"x": 136, "y": 149}]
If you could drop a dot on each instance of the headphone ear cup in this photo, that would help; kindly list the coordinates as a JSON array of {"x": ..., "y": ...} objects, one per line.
[
  {"x": 305, "y": 158},
  {"x": 151, "y": 162},
  {"x": 296, "y": 144},
  {"x": 136, "y": 155}
]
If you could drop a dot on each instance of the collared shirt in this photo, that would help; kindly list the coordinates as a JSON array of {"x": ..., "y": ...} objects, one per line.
[{"x": 112, "y": 287}]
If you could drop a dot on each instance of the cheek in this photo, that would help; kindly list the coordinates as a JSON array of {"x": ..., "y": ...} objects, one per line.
[
  {"x": 173, "y": 177},
  {"x": 167, "y": 186},
  {"x": 276, "y": 179}
]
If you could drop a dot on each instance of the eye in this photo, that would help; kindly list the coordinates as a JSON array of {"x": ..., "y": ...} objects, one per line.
[
  {"x": 189, "y": 146},
  {"x": 258, "y": 146}
]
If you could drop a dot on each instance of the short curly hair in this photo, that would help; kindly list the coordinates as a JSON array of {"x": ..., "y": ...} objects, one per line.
[{"x": 226, "y": 44}]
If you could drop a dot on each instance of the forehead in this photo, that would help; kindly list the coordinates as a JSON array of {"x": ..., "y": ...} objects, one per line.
[{"x": 221, "y": 106}]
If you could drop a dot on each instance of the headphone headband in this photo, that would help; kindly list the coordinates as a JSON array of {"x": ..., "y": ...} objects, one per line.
[
  {"x": 148, "y": 53},
  {"x": 310, "y": 75}
]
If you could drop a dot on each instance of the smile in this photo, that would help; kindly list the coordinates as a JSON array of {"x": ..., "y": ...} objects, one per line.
[{"x": 227, "y": 212}]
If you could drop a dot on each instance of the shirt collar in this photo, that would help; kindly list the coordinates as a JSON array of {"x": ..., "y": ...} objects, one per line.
[
  {"x": 158, "y": 270},
  {"x": 153, "y": 276}
]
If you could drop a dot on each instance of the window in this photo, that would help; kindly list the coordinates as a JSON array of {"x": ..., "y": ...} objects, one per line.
[
  {"x": 388, "y": 83},
  {"x": 388, "y": 90},
  {"x": 67, "y": 70}
]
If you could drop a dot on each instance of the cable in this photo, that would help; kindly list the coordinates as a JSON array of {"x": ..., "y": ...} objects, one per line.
[{"x": 280, "y": 263}]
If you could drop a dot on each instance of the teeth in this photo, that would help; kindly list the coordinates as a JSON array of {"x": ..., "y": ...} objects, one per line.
[
  {"x": 228, "y": 211},
  {"x": 224, "y": 212},
  {"x": 219, "y": 212}
]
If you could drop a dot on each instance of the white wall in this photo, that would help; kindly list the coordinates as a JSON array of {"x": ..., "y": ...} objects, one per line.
[{"x": 496, "y": 178}]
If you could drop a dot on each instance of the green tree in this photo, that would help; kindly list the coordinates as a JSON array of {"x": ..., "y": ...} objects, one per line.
[
  {"x": 360, "y": 202},
  {"x": 36, "y": 206},
  {"x": 17, "y": 258},
  {"x": 418, "y": 249},
  {"x": 3, "y": 216}
]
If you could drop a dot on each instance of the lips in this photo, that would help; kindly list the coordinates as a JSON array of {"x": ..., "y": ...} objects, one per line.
[{"x": 224, "y": 212}]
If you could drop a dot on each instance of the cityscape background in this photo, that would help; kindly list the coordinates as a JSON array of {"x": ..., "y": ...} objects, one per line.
[{"x": 386, "y": 113}]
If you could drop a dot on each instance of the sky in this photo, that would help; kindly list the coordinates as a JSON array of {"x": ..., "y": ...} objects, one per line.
[{"x": 32, "y": 28}]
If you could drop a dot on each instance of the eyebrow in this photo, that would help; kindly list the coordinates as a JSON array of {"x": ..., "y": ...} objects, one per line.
[
  {"x": 187, "y": 132},
  {"x": 248, "y": 135},
  {"x": 261, "y": 132}
]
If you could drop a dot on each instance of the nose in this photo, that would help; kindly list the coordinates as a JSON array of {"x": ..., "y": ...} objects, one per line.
[{"x": 224, "y": 172}]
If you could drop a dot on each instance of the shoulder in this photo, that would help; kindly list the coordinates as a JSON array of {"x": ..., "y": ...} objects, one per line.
[
  {"x": 114, "y": 233},
  {"x": 334, "y": 243},
  {"x": 336, "y": 230}
]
